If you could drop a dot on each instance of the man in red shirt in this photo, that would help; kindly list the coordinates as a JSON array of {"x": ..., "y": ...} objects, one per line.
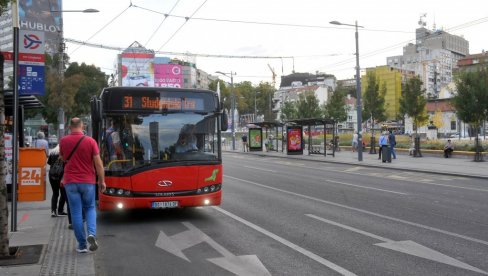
[{"x": 80, "y": 182}]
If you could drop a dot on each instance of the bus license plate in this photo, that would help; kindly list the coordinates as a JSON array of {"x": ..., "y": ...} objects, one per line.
[{"x": 165, "y": 204}]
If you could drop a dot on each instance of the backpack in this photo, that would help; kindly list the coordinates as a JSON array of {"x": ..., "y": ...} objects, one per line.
[{"x": 56, "y": 171}]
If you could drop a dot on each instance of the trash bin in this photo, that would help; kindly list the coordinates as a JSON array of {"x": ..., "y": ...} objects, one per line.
[{"x": 32, "y": 174}]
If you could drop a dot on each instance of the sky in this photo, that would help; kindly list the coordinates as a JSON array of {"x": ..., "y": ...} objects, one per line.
[{"x": 302, "y": 31}]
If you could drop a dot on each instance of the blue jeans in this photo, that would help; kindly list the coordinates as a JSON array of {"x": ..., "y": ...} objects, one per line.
[
  {"x": 392, "y": 149},
  {"x": 81, "y": 197}
]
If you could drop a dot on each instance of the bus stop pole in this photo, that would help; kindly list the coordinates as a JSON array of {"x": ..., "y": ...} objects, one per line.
[{"x": 15, "y": 113}]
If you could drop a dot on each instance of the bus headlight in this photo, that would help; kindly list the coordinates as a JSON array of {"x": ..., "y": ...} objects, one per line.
[
  {"x": 209, "y": 189},
  {"x": 117, "y": 192}
]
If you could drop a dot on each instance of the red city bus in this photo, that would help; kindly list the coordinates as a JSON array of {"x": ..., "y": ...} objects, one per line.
[{"x": 160, "y": 147}]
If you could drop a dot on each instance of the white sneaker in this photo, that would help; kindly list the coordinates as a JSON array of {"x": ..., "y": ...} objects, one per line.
[
  {"x": 92, "y": 241},
  {"x": 83, "y": 250}
]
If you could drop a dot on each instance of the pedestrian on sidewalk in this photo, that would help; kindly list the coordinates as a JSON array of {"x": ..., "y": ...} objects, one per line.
[
  {"x": 42, "y": 143},
  {"x": 392, "y": 141},
  {"x": 383, "y": 142},
  {"x": 80, "y": 153},
  {"x": 57, "y": 208},
  {"x": 354, "y": 141},
  {"x": 244, "y": 143}
]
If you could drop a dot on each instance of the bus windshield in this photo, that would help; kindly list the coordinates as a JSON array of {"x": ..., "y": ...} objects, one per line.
[{"x": 130, "y": 141}]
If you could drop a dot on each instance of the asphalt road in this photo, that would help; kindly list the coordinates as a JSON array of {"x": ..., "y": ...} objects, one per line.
[{"x": 294, "y": 217}]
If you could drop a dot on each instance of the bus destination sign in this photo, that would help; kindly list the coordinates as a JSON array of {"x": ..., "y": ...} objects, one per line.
[{"x": 161, "y": 103}]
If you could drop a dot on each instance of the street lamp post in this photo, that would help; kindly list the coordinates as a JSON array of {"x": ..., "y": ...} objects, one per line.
[
  {"x": 358, "y": 90},
  {"x": 255, "y": 108},
  {"x": 232, "y": 105}
]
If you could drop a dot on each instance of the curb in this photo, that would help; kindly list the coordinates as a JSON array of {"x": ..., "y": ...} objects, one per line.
[{"x": 369, "y": 165}]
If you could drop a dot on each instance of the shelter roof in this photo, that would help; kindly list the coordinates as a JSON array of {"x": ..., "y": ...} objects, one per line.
[{"x": 27, "y": 101}]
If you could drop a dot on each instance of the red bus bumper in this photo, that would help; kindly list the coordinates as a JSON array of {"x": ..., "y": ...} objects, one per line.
[{"x": 107, "y": 202}]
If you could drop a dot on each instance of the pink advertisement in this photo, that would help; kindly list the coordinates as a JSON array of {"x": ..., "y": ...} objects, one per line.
[
  {"x": 168, "y": 75},
  {"x": 295, "y": 139}
]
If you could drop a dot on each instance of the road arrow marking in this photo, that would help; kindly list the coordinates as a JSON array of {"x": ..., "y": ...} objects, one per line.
[
  {"x": 239, "y": 265},
  {"x": 407, "y": 247},
  {"x": 291, "y": 245}
]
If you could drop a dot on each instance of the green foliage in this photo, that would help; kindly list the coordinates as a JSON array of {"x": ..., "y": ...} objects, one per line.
[
  {"x": 471, "y": 99},
  {"x": 3, "y": 5},
  {"x": 72, "y": 93},
  {"x": 224, "y": 92},
  {"x": 373, "y": 99},
  {"x": 265, "y": 91},
  {"x": 308, "y": 106},
  {"x": 336, "y": 108},
  {"x": 245, "y": 97},
  {"x": 289, "y": 111},
  {"x": 412, "y": 101}
]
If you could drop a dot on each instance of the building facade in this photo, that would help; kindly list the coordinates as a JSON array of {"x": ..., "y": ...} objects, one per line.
[{"x": 433, "y": 58}]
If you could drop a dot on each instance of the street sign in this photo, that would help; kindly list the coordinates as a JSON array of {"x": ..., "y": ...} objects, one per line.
[
  {"x": 31, "y": 79},
  {"x": 8, "y": 55},
  {"x": 31, "y": 63}
]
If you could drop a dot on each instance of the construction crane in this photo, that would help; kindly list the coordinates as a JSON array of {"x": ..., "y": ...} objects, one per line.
[{"x": 273, "y": 75}]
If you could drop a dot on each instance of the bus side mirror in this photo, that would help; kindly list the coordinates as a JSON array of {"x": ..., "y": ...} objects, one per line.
[
  {"x": 95, "y": 109},
  {"x": 224, "y": 121}
]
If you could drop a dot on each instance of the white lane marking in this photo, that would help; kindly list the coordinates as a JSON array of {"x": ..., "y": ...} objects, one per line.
[
  {"x": 364, "y": 187},
  {"x": 353, "y": 169},
  {"x": 407, "y": 247},
  {"x": 352, "y": 229},
  {"x": 291, "y": 245},
  {"x": 367, "y": 212},
  {"x": 260, "y": 169}
]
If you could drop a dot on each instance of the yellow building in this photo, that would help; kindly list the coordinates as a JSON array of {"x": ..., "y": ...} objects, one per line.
[{"x": 392, "y": 79}]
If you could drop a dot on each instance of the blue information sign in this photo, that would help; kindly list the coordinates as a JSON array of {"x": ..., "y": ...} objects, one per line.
[{"x": 31, "y": 79}]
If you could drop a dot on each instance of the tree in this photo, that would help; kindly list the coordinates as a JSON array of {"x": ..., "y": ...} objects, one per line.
[
  {"x": 308, "y": 106},
  {"x": 336, "y": 108},
  {"x": 437, "y": 119},
  {"x": 374, "y": 100},
  {"x": 244, "y": 97},
  {"x": 471, "y": 100},
  {"x": 265, "y": 91},
  {"x": 224, "y": 92},
  {"x": 289, "y": 111},
  {"x": 412, "y": 102}
]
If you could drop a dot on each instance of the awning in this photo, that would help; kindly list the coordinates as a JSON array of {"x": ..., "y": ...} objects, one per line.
[{"x": 26, "y": 101}]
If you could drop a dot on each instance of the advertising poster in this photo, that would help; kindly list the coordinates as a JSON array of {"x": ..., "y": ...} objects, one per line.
[
  {"x": 137, "y": 69},
  {"x": 168, "y": 75},
  {"x": 294, "y": 140},
  {"x": 255, "y": 139},
  {"x": 36, "y": 15}
]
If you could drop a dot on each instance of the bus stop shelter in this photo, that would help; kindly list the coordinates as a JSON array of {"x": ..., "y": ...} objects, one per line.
[
  {"x": 270, "y": 128},
  {"x": 328, "y": 127}
]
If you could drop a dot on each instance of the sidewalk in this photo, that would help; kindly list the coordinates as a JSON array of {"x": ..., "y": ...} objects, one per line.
[
  {"x": 464, "y": 167},
  {"x": 35, "y": 226}
]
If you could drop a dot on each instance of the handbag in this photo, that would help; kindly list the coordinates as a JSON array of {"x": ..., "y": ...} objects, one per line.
[{"x": 56, "y": 171}]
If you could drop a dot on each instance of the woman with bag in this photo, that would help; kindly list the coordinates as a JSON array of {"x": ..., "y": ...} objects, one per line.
[{"x": 55, "y": 176}]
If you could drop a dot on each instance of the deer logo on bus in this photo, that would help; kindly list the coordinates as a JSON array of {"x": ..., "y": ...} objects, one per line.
[{"x": 165, "y": 183}]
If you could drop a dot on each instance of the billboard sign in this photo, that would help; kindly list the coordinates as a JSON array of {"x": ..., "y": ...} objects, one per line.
[
  {"x": 37, "y": 15},
  {"x": 255, "y": 139},
  {"x": 137, "y": 69},
  {"x": 294, "y": 138},
  {"x": 168, "y": 75}
]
